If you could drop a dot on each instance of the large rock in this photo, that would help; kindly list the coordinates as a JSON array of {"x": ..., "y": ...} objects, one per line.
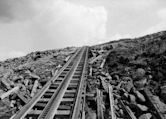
[
  {"x": 139, "y": 74},
  {"x": 160, "y": 104},
  {"x": 140, "y": 84},
  {"x": 145, "y": 116},
  {"x": 132, "y": 98},
  {"x": 140, "y": 96},
  {"x": 142, "y": 107},
  {"x": 127, "y": 86}
]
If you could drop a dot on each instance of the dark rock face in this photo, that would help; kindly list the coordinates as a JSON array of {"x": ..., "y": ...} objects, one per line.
[
  {"x": 146, "y": 56},
  {"x": 145, "y": 59},
  {"x": 133, "y": 65}
]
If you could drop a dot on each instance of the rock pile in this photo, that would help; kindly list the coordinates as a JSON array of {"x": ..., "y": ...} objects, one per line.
[
  {"x": 130, "y": 67},
  {"x": 21, "y": 78}
]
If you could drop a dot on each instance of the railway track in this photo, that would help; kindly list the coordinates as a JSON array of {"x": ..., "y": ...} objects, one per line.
[{"x": 62, "y": 97}]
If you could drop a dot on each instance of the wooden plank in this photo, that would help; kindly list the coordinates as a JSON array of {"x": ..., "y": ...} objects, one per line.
[
  {"x": 62, "y": 112},
  {"x": 113, "y": 116},
  {"x": 90, "y": 71},
  {"x": 35, "y": 112},
  {"x": 40, "y": 104},
  {"x": 6, "y": 94},
  {"x": 99, "y": 105},
  {"x": 63, "y": 100},
  {"x": 34, "y": 89},
  {"x": 22, "y": 96},
  {"x": 129, "y": 113},
  {"x": 149, "y": 97},
  {"x": 103, "y": 63}
]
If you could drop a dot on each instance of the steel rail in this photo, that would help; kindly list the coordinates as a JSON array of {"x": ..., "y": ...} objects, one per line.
[
  {"x": 79, "y": 112},
  {"x": 111, "y": 99},
  {"x": 51, "y": 108},
  {"x": 24, "y": 110}
]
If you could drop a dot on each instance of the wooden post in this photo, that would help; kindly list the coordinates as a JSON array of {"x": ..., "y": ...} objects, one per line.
[
  {"x": 128, "y": 112},
  {"x": 67, "y": 58},
  {"x": 102, "y": 64},
  {"x": 90, "y": 73},
  {"x": 6, "y": 94},
  {"x": 26, "y": 81},
  {"x": 6, "y": 83},
  {"x": 99, "y": 105},
  {"x": 113, "y": 116},
  {"x": 96, "y": 58},
  {"x": 34, "y": 88}
]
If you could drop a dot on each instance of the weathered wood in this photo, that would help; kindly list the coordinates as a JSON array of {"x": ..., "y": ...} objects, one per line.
[
  {"x": 104, "y": 84},
  {"x": 113, "y": 116},
  {"x": 6, "y": 83},
  {"x": 26, "y": 81},
  {"x": 103, "y": 63},
  {"x": 6, "y": 94},
  {"x": 23, "y": 96},
  {"x": 96, "y": 58},
  {"x": 153, "y": 104},
  {"x": 127, "y": 110},
  {"x": 99, "y": 105},
  {"x": 67, "y": 58},
  {"x": 34, "y": 89},
  {"x": 90, "y": 114},
  {"x": 90, "y": 71}
]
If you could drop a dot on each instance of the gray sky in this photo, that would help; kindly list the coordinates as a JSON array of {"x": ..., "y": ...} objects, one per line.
[{"x": 30, "y": 25}]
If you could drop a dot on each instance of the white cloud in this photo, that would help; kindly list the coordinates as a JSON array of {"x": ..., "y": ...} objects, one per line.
[
  {"x": 16, "y": 53},
  {"x": 134, "y": 4},
  {"x": 10, "y": 54},
  {"x": 161, "y": 25},
  {"x": 51, "y": 24},
  {"x": 59, "y": 22},
  {"x": 120, "y": 36},
  {"x": 73, "y": 24},
  {"x": 162, "y": 13}
]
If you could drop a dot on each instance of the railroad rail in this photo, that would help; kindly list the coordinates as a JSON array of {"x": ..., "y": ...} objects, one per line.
[
  {"x": 128, "y": 113},
  {"x": 62, "y": 97},
  {"x": 152, "y": 103}
]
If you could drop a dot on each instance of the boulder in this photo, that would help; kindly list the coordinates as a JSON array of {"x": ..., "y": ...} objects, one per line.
[
  {"x": 140, "y": 84},
  {"x": 127, "y": 86},
  {"x": 145, "y": 116},
  {"x": 132, "y": 98},
  {"x": 142, "y": 107},
  {"x": 139, "y": 74},
  {"x": 160, "y": 104},
  {"x": 140, "y": 96}
]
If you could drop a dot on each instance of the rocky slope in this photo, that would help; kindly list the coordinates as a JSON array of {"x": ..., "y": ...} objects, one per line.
[
  {"x": 131, "y": 66},
  {"x": 128, "y": 66},
  {"x": 25, "y": 76}
]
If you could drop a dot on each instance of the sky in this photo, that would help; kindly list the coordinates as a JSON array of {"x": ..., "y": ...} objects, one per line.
[{"x": 35, "y": 25}]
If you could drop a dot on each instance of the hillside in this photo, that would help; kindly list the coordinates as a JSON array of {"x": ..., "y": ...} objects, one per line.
[
  {"x": 23, "y": 72},
  {"x": 132, "y": 66},
  {"x": 129, "y": 65}
]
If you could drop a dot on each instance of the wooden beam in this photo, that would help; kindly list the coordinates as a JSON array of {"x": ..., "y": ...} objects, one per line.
[
  {"x": 34, "y": 89},
  {"x": 6, "y": 94},
  {"x": 99, "y": 105},
  {"x": 113, "y": 116}
]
